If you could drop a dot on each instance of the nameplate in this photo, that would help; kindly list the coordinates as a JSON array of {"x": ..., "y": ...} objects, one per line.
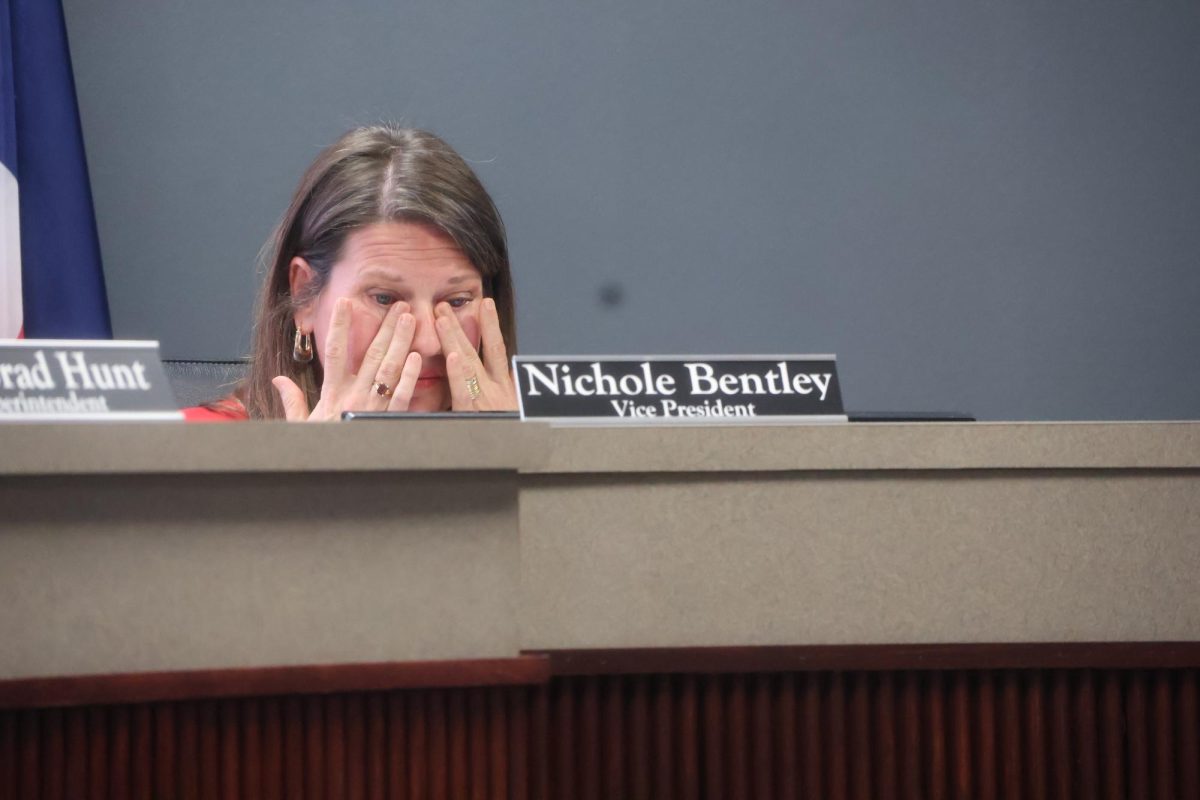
[
  {"x": 693, "y": 390},
  {"x": 62, "y": 380}
]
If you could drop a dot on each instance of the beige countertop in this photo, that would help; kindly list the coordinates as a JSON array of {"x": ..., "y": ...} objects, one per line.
[
  {"x": 404, "y": 445},
  {"x": 176, "y": 447}
]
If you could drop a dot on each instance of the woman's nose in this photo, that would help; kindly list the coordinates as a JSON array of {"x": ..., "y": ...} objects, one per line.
[{"x": 425, "y": 338}]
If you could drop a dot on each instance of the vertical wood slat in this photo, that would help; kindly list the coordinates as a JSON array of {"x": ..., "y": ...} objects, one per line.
[
  {"x": 1113, "y": 725},
  {"x": 1060, "y": 737},
  {"x": 375, "y": 754},
  {"x": 1162, "y": 737},
  {"x": 335, "y": 746},
  {"x": 76, "y": 753},
  {"x": 1136, "y": 724},
  {"x": 314, "y": 742},
  {"x": 439, "y": 755},
  {"x": 664, "y": 736},
  {"x": 835, "y": 755},
  {"x": 498, "y": 744},
  {"x": 910, "y": 737},
  {"x": 936, "y": 771},
  {"x": 986, "y": 776},
  {"x": 253, "y": 754},
  {"x": 210, "y": 751},
  {"x": 1052, "y": 733},
  {"x": 613, "y": 758},
  {"x": 519, "y": 709},
  {"x": 564, "y": 739},
  {"x": 689, "y": 741},
  {"x": 477, "y": 738},
  {"x": 1189, "y": 736},
  {"x": 1011, "y": 771},
  {"x": 186, "y": 755},
  {"x": 396, "y": 744},
  {"x": 165, "y": 768},
  {"x": 8, "y": 754},
  {"x": 416, "y": 761},
  {"x": 787, "y": 741},
  {"x": 355, "y": 748},
  {"x": 887, "y": 775},
  {"x": 589, "y": 739},
  {"x": 272, "y": 772},
  {"x": 142, "y": 754},
  {"x": 539, "y": 751},
  {"x": 117, "y": 721},
  {"x": 460, "y": 777},
  {"x": 714, "y": 773},
  {"x": 737, "y": 773},
  {"x": 960, "y": 738},
  {"x": 763, "y": 774},
  {"x": 293, "y": 748},
  {"x": 29, "y": 783},
  {"x": 53, "y": 755},
  {"x": 1086, "y": 737},
  {"x": 1035, "y": 737},
  {"x": 639, "y": 739},
  {"x": 96, "y": 741}
]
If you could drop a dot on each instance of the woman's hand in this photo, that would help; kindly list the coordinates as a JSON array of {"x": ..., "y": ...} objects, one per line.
[
  {"x": 384, "y": 382},
  {"x": 475, "y": 384}
]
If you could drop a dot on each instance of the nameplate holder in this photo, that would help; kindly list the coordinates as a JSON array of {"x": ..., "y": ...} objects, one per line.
[
  {"x": 69, "y": 380},
  {"x": 671, "y": 390}
]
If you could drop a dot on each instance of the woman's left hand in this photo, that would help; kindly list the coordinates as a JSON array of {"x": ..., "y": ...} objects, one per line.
[{"x": 476, "y": 384}]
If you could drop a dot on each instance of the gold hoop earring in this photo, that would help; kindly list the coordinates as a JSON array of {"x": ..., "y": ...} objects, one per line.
[{"x": 302, "y": 350}]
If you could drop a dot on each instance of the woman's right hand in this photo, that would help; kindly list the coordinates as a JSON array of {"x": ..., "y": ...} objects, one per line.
[{"x": 387, "y": 361}]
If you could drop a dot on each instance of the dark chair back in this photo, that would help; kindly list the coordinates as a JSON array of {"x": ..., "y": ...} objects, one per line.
[{"x": 196, "y": 382}]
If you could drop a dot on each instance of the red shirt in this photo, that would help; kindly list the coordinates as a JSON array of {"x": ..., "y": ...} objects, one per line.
[{"x": 228, "y": 409}]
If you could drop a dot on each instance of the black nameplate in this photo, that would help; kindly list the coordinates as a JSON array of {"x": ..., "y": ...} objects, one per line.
[
  {"x": 57, "y": 380},
  {"x": 719, "y": 390}
]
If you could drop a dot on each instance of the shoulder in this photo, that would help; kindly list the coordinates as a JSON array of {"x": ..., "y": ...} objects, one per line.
[{"x": 227, "y": 409}]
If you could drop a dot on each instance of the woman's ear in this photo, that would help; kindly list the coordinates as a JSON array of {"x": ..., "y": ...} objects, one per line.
[{"x": 300, "y": 281}]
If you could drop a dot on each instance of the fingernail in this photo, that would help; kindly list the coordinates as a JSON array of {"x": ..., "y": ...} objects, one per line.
[
  {"x": 490, "y": 303},
  {"x": 407, "y": 319}
]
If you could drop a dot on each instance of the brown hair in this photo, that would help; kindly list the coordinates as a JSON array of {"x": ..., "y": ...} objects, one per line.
[{"x": 370, "y": 175}]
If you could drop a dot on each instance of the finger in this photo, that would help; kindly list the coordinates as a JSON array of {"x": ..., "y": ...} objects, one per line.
[
  {"x": 334, "y": 363},
  {"x": 393, "y": 364},
  {"x": 295, "y": 406},
  {"x": 495, "y": 354},
  {"x": 456, "y": 376},
  {"x": 455, "y": 339},
  {"x": 406, "y": 383},
  {"x": 377, "y": 351}
]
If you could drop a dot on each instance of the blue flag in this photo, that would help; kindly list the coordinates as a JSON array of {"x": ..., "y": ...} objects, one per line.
[{"x": 44, "y": 180}]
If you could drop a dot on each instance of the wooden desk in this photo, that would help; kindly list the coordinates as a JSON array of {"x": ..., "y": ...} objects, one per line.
[{"x": 489, "y": 609}]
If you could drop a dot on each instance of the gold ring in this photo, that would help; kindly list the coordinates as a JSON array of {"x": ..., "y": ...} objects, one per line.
[
  {"x": 382, "y": 389},
  {"x": 473, "y": 387}
]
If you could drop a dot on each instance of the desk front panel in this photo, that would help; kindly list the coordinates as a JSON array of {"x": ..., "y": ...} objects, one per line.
[
  {"x": 624, "y": 560},
  {"x": 136, "y": 573}
]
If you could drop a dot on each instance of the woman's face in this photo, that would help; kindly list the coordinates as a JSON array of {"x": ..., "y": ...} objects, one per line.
[{"x": 389, "y": 262}]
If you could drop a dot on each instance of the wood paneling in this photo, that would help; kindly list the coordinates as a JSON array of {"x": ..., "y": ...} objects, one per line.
[{"x": 891, "y": 734}]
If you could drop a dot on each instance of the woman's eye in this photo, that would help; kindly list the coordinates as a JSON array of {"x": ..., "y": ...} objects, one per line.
[
  {"x": 383, "y": 298},
  {"x": 459, "y": 302}
]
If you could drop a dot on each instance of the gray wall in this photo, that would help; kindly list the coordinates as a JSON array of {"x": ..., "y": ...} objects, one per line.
[{"x": 992, "y": 207}]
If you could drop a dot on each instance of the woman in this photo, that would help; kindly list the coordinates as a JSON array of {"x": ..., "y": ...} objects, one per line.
[{"x": 388, "y": 288}]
